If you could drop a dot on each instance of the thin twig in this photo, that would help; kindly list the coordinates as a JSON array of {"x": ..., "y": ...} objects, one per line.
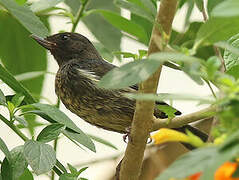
[
  {"x": 185, "y": 119},
  {"x": 79, "y": 14}
]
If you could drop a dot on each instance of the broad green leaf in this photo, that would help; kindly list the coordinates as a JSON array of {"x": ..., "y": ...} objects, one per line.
[
  {"x": 135, "y": 9},
  {"x": 129, "y": 74},
  {"x": 21, "y": 2},
  {"x": 166, "y": 96},
  {"x": 8, "y": 78},
  {"x": 17, "y": 99},
  {"x": 18, "y": 162},
  {"x": 28, "y": 55},
  {"x": 234, "y": 71},
  {"x": 29, "y": 75},
  {"x": 138, "y": 71},
  {"x": 27, "y": 175},
  {"x": 2, "y": 98},
  {"x": 228, "y": 8},
  {"x": 42, "y": 5},
  {"x": 231, "y": 56},
  {"x": 216, "y": 29},
  {"x": 73, "y": 170},
  {"x": 51, "y": 132},
  {"x": 124, "y": 24},
  {"x": 41, "y": 157},
  {"x": 74, "y": 5},
  {"x": 105, "y": 53},
  {"x": 4, "y": 149},
  {"x": 21, "y": 120},
  {"x": 80, "y": 138},
  {"x": 182, "y": 167},
  {"x": 6, "y": 171},
  {"x": 211, "y": 4},
  {"x": 227, "y": 46},
  {"x": 57, "y": 116},
  {"x": 104, "y": 32},
  {"x": 102, "y": 141},
  {"x": 26, "y": 17}
]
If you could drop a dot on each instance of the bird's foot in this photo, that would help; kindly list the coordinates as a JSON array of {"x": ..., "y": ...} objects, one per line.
[{"x": 127, "y": 135}]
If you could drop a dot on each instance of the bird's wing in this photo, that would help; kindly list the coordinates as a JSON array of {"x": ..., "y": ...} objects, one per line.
[{"x": 101, "y": 67}]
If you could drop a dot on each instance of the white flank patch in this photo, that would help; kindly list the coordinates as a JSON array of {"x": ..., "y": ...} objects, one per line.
[{"x": 91, "y": 75}]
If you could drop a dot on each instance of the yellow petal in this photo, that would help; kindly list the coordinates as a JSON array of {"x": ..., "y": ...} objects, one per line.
[{"x": 167, "y": 135}]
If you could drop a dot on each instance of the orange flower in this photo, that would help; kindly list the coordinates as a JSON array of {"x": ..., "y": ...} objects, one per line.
[
  {"x": 195, "y": 176},
  {"x": 225, "y": 171}
]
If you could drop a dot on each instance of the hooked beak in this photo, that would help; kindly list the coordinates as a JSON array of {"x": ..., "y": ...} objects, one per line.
[{"x": 43, "y": 42}]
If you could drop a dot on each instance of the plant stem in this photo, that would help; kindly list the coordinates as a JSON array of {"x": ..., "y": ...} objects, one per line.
[
  {"x": 79, "y": 15},
  {"x": 14, "y": 128}
]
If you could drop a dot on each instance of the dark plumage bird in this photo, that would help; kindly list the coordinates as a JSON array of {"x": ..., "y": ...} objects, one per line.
[{"x": 80, "y": 68}]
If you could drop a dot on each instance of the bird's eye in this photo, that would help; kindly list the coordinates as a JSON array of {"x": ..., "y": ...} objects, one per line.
[{"x": 65, "y": 37}]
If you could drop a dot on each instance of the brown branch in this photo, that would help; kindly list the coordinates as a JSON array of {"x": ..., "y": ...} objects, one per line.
[{"x": 143, "y": 117}]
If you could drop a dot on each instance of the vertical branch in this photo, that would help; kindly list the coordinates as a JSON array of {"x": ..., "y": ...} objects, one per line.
[{"x": 143, "y": 116}]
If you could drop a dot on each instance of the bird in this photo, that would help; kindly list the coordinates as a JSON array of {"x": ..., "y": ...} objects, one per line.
[{"x": 80, "y": 69}]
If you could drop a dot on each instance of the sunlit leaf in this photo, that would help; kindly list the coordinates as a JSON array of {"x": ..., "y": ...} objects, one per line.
[
  {"x": 42, "y": 5},
  {"x": 227, "y": 8}
]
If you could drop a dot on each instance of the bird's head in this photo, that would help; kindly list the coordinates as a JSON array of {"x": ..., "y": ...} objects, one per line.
[{"x": 67, "y": 46}]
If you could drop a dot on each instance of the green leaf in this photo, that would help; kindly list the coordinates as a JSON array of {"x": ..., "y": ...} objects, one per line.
[
  {"x": 74, "y": 5},
  {"x": 27, "y": 175},
  {"x": 18, "y": 162},
  {"x": 42, "y": 5},
  {"x": 4, "y": 149},
  {"x": 21, "y": 2},
  {"x": 29, "y": 56},
  {"x": 234, "y": 71},
  {"x": 182, "y": 167},
  {"x": 41, "y": 157},
  {"x": 199, "y": 4},
  {"x": 57, "y": 116},
  {"x": 104, "y": 32},
  {"x": 17, "y": 99},
  {"x": 8, "y": 78},
  {"x": 105, "y": 53},
  {"x": 129, "y": 74},
  {"x": 21, "y": 120},
  {"x": 67, "y": 176},
  {"x": 80, "y": 138},
  {"x": 124, "y": 24},
  {"x": 73, "y": 170},
  {"x": 51, "y": 132},
  {"x": 227, "y": 8},
  {"x": 211, "y": 4},
  {"x": 126, "y": 54},
  {"x": 138, "y": 71},
  {"x": 6, "y": 171},
  {"x": 216, "y": 29},
  {"x": 166, "y": 96},
  {"x": 231, "y": 56},
  {"x": 102, "y": 141},
  {"x": 26, "y": 17},
  {"x": 135, "y": 9},
  {"x": 82, "y": 169},
  {"x": 2, "y": 98},
  {"x": 168, "y": 110}
]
